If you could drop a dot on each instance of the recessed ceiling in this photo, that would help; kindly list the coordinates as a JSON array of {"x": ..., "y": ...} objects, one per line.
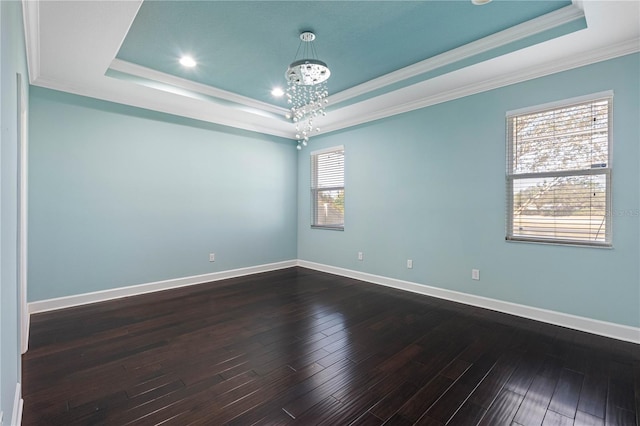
[
  {"x": 386, "y": 57},
  {"x": 244, "y": 47}
]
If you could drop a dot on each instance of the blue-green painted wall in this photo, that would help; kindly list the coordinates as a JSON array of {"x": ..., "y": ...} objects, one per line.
[
  {"x": 120, "y": 196},
  {"x": 12, "y": 62},
  {"x": 429, "y": 185}
]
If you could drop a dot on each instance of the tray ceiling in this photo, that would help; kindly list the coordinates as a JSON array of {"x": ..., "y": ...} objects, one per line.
[{"x": 385, "y": 57}]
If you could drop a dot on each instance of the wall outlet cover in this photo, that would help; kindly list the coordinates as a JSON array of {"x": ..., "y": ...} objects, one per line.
[{"x": 475, "y": 274}]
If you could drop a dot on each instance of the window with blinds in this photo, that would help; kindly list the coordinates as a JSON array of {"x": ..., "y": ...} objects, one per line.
[
  {"x": 559, "y": 173},
  {"x": 327, "y": 188}
]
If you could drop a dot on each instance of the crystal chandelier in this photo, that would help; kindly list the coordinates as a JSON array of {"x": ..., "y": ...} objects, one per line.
[{"x": 306, "y": 89}]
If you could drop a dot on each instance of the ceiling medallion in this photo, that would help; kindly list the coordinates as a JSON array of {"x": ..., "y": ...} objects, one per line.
[{"x": 306, "y": 88}]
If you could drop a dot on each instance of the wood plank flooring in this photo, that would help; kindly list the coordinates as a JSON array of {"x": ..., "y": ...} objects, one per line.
[{"x": 297, "y": 346}]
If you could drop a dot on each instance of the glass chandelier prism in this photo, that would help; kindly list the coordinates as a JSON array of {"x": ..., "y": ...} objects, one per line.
[{"x": 306, "y": 89}]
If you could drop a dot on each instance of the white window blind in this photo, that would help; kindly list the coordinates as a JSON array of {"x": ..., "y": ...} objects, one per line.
[
  {"x": 327, "y": 188},
  {"x": 559, "y": 174}
]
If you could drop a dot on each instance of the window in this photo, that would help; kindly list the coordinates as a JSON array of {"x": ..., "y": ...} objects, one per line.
[
  {"x": 327, "y": 188},
  {"x": 559, "y": 173}
]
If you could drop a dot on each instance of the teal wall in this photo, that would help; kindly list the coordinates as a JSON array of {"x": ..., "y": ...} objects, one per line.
[
  {"x": 120, "y": 196},
  {"x": 429, "y": 185},
  {"x": 12, "y": 62}
]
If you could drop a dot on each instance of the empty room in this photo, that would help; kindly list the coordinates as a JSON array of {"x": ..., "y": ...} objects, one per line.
[{"x": 320, "y": 212}]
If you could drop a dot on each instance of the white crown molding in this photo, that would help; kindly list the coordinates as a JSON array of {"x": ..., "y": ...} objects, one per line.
[
  {"x": 31, "y": 20},
  {"x": 569, "y": 62},
  {"x": 135, "y": 290},
  {"x": 181, "y": 106},
  {"x": 593, "y": 326},
  {"x": 518, "y": 32},
  {"x": 90, "y": 33},
  {"x": 192, "y": 86}
]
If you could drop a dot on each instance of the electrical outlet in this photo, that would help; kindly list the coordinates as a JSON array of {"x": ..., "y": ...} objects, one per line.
[
  {"x": 212, "y": 257},
  {"x": 475, "y": 274},
  {"x": 409, "y": 264},
  {"x": 360, "y": 256}
]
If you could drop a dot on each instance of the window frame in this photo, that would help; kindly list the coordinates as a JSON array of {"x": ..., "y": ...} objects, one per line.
[
  {"x": 511, "y": 177},
  {"x": 315, "y": 189}
]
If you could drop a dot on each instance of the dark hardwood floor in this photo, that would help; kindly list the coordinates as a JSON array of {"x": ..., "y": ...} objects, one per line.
[{"x": 302, "y": 347}]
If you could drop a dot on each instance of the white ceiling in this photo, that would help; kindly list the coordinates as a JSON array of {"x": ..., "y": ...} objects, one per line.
[{"x": 72, "y": 46}]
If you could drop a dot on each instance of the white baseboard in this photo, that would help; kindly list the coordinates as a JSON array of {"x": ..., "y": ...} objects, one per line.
[
  {"x": 593, "y": 326},
  {"x": 134, "y": 290},
  {"x": 602, "y": 328},
  {"x": 18, "y": 403}
]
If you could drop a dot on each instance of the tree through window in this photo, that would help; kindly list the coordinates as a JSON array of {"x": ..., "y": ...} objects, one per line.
[{"x": 559, "y": 173}]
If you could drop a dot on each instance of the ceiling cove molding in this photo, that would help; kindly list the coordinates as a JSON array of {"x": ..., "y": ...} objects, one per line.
[
  {"x": 167, "y": 103},
  {"x": 191, "y": 86},
  {"x": 31, "y": 20},
  {"x": 605, "y": 53},
  {"x": 526, "y": 29}
]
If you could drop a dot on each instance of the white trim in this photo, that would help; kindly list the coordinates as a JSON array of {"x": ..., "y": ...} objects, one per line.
[
  {"x": 135, "y": 290},
  {"x": 18, "y": 403},
  {"x": 93, "y": 33},
  {"x": 191, "y": 86},
  {"x": 206, "y": 111},
  {"x": 419, "y": 101},
  {"x": 606, "y": 53},
  {"x": 510, "y": 35},
  {"x": 325, "y": 150},
  {"x": 31, "y": 21},
  {"x": 602, "y": 328},
  {"x": 26, "y": 326},
  {"x": 23, "y": 193},
  {"x": 561, "y": 103}
]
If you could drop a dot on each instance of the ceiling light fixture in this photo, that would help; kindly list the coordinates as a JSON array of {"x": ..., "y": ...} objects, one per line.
[
  {"x": 306, "y": 88},
  {"x": 277, "y": 92},
  {"x": 480, "y": 2},
  {"x": 187, "y": 61}
]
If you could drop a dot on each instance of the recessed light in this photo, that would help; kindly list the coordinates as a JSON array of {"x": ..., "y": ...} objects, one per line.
[
  {"x": 187, "y": 61},
  {"x": 480, "y": 2},
  {"x": 277, "y": 92}
]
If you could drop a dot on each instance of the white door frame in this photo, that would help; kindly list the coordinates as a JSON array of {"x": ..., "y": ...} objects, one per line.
[{"x": 23, "y": 152}]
